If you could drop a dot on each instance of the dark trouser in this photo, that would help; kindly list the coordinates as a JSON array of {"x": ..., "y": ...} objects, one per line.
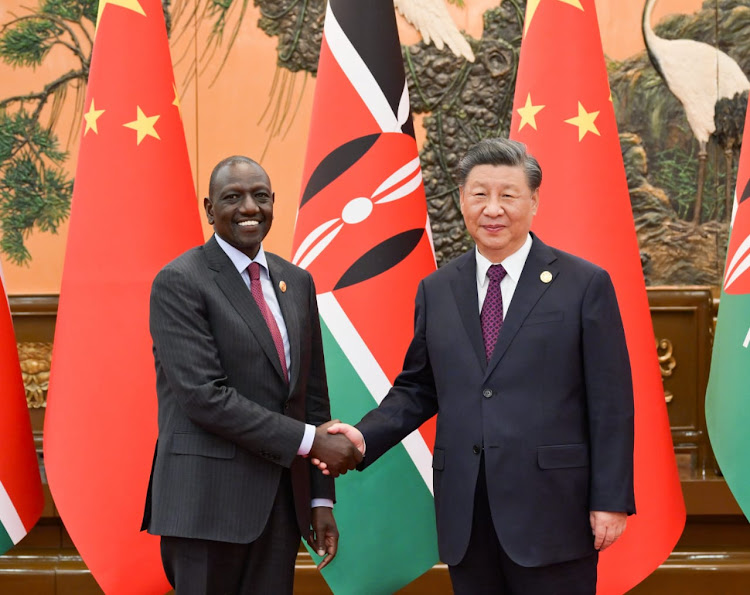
[
  {"x": 487, "y": 569},
  {"x": 264, "y": 567}
]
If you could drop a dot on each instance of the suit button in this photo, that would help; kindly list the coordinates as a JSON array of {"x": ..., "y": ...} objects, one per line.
[
  {"x": 487, "y": 392},
  {"x": 476, "y": 449}
]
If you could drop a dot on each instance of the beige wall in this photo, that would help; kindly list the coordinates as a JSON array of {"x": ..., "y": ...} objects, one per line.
[{"x": 223, "y": 118}]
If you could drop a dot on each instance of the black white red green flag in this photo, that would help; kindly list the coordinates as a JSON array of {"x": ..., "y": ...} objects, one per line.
[
  {"x": 727, "y": 396},
  {"x": 362, "y": 231},
  {"x": 21, "y": 498}
]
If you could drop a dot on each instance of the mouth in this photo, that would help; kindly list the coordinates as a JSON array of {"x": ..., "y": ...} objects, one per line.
[
  {"x": 250, "y": 223},
  {"x": 494, "y": 228}
]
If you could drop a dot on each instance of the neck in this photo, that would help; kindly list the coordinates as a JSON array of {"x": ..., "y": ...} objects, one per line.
[{"x": 648, "y": 32}]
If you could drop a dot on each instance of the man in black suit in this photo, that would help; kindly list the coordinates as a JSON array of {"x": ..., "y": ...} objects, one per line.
[
  {"x": 527, "y": 368},
  {"x": 243, "y": 398}
]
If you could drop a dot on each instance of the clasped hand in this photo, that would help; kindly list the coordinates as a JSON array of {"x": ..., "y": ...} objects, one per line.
[{"x": 333, "y": 451}]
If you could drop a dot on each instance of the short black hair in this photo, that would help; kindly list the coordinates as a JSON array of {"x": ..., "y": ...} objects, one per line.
[
  {"x": 224, "y": 163},
  {"x": 500, "y": 151}
]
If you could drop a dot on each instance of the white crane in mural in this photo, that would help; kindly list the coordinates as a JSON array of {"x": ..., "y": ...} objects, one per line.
[
  {"x": 698, "y": 75},
  {"x": 434, "y": 23}
]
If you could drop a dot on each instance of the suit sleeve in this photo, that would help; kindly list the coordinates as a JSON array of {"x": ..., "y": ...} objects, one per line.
[
  {"x": 609, "y": 393},
  {"x": 188, "y": 358},
  {"x": 411, "y": 401},
  {"x": 317, "y": 404}
]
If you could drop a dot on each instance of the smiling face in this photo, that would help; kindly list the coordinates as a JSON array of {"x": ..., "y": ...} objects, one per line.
[
  {"x": 498, "y": 207},
  {"x": 240, "y": 205}
]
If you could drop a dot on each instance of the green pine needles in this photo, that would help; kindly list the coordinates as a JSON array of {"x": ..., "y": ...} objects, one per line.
[{"x": 35, "y": 189}]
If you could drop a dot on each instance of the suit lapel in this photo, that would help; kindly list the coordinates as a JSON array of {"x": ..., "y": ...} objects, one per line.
[
  {"x": 232, "y": 285},
  {"x": 464, "y": 286},
  {"x": 529, "y": 290},
  {"x": 288, "y": 303}
]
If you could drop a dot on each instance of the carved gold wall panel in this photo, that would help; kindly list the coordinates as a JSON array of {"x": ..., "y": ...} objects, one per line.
[{"x": 35, "y": 359}]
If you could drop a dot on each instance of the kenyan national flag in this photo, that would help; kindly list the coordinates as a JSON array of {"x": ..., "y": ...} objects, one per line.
[
  {"x": 21, "y": 498},
  {"x": 727, "y": 395},
  {"x": 363, "y": 233}
]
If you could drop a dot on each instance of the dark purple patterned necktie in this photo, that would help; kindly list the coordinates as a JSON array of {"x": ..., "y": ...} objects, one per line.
[
  {"x": 257, "y": 291},
  {"x": 492, "y": 309}
]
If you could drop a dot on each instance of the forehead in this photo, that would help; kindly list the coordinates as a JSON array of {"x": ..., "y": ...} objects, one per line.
[
  {"x": 505, "y": 175},
  {"x": 241, "y": 173}
]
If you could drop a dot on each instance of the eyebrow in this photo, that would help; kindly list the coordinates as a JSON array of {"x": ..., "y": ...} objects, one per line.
[{"x": 239, "y": 186}]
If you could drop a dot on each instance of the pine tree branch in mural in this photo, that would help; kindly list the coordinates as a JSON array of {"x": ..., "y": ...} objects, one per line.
[
  {"x": 32, "y": 193},
  {"x": 35, "y": 188}
]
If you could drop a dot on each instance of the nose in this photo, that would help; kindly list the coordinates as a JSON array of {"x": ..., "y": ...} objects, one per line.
[
  {"x": 248, "y": 204},
  {"x": 494, "y": 207}
]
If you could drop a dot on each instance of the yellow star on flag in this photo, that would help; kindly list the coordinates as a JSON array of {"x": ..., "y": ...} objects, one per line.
[
  {"x": 144, "y": 125},
  {"x": 528, "y": 113},
  {"x": 91, "y": 117},
  {"x": 176, "y": 101},
  {"x": 133, "y": 5},
  {"x": 532, "y": 5},
  {"x": 585, "y": 122}
]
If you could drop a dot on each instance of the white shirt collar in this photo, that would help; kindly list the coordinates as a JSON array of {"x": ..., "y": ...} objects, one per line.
[
  {"x": 513, "y": 264},
  {"x": 239, "y": 259}
]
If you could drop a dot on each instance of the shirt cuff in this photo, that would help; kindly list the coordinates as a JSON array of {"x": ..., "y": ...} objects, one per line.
[
  {"x": 321, "y": 502},
  {"x": 307, "y": 441}
]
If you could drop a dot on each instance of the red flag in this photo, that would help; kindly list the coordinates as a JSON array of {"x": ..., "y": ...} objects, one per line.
[
  {"x": 362, "y": 232},
  {"x": 134, "y": 209},
  {"x": 563, "y": 112},
  {"x": 21, "y": 498}
]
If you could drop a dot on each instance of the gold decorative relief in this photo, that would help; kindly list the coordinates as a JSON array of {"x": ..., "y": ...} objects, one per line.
[
  {"x": 35, "y": 359},
  {"x": 667, "y": 362}
]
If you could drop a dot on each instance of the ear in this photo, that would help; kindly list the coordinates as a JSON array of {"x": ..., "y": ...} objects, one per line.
[
  {"x": 534, "y": 201},
  {"x": 209, "y": 208},
  {"x": 461, "y": 198}
]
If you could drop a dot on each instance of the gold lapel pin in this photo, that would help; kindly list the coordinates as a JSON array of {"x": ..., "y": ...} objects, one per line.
[
  {"x": 282, "y": 286},
  {"x": 546, "y": 277}
]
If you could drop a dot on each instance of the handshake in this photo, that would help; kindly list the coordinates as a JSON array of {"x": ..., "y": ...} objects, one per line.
[{"x": 337, "y": 448}]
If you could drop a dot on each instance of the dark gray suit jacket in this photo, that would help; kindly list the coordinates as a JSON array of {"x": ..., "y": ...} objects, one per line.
[
  {"x": 552, "y": 411},
  {"x": 228, "y": 421}
]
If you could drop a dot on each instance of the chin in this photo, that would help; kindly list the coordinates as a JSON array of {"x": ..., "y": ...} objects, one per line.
[{"x": 496, "y": 245}]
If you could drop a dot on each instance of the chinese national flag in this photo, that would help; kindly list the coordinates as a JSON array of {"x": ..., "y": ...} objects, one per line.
[
  {"x": 563, "y": 112},
  {"x": 134, "y": 209}
]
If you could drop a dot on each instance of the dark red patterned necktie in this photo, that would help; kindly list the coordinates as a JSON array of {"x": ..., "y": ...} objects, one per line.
[
  {"x": 257, "y": 291},
  {"x": 492, "y": 309}
]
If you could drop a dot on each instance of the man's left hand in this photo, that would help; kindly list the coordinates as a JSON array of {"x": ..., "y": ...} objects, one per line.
[
  {"x": 324, "y": 536},
  {"x": 607, "y": 527}
]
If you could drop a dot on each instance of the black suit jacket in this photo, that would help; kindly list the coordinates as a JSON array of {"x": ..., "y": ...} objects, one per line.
[
  {"x": 552, "y": 411},
  {"x": 228, "y": 421}
]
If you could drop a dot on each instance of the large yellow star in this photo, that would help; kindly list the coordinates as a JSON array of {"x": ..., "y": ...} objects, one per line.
[
  {"x": 528, "y": 113},
  {"x": 143, "y": 125},
  {"x": 532, "y": 5},
  {"x": 133, "y": 5},
  {"x": 585, "y": 122},
  {"x": 176, "y": 101},
  {"x": 91, "y": 117}
]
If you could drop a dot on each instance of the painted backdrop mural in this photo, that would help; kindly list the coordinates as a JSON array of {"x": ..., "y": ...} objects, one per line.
[{"x": 246, "y": 75}]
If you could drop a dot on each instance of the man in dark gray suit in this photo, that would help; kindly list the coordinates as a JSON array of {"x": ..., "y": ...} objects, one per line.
[
  {"x": 243, "y": 398},
  {"x": 520, "y": 351}
]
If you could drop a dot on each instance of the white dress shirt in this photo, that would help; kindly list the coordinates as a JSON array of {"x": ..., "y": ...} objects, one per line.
[
  {"x": 513, "y": 266},
  {"x": 241, "y": 261}
]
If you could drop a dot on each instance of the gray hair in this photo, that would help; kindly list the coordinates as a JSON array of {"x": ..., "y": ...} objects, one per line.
[
  {"x": 234, "y": 159},
  {"x": 500, "y": 151}
]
